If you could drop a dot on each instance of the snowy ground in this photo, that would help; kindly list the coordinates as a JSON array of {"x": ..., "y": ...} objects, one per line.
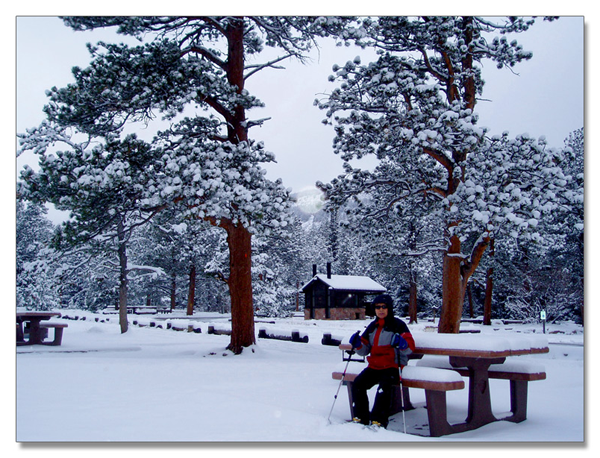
[{"x": 163, "y": 385}]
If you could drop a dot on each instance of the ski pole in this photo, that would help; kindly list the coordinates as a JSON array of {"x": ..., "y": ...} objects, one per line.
[
  {"x": 402, "y": 402},
  {"x": 341, "y": 381}
]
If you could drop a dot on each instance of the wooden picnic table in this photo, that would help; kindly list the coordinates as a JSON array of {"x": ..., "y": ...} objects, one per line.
[
  {"x": 476, "y": 353},
  {"x": 36, "y": 332},
  {"x": 472, "y": 355}
]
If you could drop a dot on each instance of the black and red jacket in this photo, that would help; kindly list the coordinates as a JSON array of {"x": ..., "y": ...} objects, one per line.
[{"x": 376, "y": 341}]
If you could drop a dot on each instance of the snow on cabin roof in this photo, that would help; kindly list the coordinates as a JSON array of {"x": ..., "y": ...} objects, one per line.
[{"x": 348, "y": 283}]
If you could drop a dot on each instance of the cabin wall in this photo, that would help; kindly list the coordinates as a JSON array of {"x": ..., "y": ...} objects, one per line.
[
  {"x": 340, "y": 305},
  {"x": 336, "y": 314}
]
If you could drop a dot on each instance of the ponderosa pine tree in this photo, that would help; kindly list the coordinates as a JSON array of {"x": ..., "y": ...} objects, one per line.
[
  {"x": 415, "y": 107},
  {"x": 205, "y": 161},
  {"x": 100, "y": 186}
]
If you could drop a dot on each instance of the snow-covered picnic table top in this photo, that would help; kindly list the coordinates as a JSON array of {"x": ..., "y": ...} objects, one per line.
[{"x": 478, "y": 345}]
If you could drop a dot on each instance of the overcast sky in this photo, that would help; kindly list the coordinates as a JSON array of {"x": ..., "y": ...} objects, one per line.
[{"x": 544, "y": 97}]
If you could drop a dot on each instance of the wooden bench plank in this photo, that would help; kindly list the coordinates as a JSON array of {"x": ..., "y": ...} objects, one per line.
[
  {"x": 429, "y": 378},
  {"x": 426, "y": 378},
  {"x": 510, "y": 370}
]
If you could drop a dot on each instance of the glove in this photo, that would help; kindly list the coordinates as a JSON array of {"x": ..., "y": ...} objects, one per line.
[
  {"x": 399, "y": 342},
  {"x": 355, "y": 340}
]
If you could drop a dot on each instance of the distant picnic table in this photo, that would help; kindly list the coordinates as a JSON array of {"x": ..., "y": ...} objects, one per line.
[
  {"x": 32, "y": 322},
  {"x": 140, "y": 309}
]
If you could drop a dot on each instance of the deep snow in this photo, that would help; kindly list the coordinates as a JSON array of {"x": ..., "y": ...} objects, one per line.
[{"x": 163, "y": 385}]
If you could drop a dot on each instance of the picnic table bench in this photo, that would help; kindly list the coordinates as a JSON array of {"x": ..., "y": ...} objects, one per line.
[
  {"x": 58, "y": 332},
  {"x": 435, "y": 382},
  {"x": 478, "y": 357},
  {"x": 517, "y": 372}
]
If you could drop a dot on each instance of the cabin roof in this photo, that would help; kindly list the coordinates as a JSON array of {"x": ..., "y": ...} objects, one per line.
[{"x": 348, "y": 283}]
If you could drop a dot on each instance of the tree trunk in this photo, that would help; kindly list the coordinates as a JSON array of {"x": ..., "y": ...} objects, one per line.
[
  {"x": 191, "y": 291},
  {"x": 412, "y": 298},
  {"x": 452, "y": 289},
  {"x": 173, "y": 291},
  {"x": 238, "y": 237},
  {"x": 456, "y": 271},
  {"x": 123, "y": 306},
  {"x": 122, "y": 252},
  {"x": 240, "y": 287},
  {"x": 236, "y": 125},
  {"x": 470, "y": 296},
  {"x": 581, "y": 309},
  {"x": 489, "y": 289}
]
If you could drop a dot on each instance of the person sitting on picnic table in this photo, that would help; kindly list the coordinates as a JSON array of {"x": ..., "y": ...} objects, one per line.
[{"x": 389, "y": 342}]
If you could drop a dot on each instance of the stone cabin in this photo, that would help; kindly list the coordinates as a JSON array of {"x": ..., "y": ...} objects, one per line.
[{"x": 338, "y": 297}]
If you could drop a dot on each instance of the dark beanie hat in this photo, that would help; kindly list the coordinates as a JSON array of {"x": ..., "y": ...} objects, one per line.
[{"x": 384, "y": 299}]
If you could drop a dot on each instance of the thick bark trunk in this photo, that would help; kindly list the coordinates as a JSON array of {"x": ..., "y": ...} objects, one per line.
[
  {"x": 173, "y": 291},
  {"x": 487, "y": 304},
  {"x": 457, "y": 271},
  {"x": 238, "y": 237},
  {"x": 470, "y": 296},
  {"x": 412, "y": 298},
  {"x": 470, "y": 91},
  {"x": 489, "y": 289},
  {"x": 122, "y": 252},
  {"x": 236, "y": 130},
  {"x": 412, "y": 281},
  {"x": 123, "y": 306},
  {"x": 452, "y": 291},
  {"x": 240, "y": 288},
  {"x": 191, "y": 291}
]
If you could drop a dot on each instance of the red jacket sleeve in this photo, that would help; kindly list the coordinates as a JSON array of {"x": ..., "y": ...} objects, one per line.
[{"x": 409, "y": 340}]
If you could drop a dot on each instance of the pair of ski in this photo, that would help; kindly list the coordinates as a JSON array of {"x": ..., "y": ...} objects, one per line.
[{"x": 375, "y": 426}]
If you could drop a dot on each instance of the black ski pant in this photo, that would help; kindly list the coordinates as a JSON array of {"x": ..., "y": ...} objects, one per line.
[{"x": 367, "y": 379}]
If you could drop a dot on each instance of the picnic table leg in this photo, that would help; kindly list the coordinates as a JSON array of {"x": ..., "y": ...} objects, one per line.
[
  {"x": 480, "y": 405},
  {"x": 35, "y": 333},
  {"x": 350, "y": 399},
  {"x": 437, "y": 414},
  {"x": 20, "y": 334},
  {"x": 58, "y": 333},
  {"x": 518, "y": 401}
]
